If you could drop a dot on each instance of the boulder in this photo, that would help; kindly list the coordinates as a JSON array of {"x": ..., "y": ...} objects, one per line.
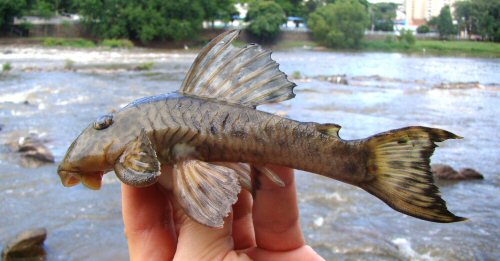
[
  {"x": 468, "y": 173},
  {"x": 33, "y": 147},
  {"x": 27, "y": 245},
  {"x": 446, "y": 172},
  {"x": 459, "y": 85},
  {"x": 443, "y": 171},
  {"x": 338, "y": 79}
]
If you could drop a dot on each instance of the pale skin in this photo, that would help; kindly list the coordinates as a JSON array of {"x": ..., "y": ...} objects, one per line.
[{"x": 262, "y": 228}]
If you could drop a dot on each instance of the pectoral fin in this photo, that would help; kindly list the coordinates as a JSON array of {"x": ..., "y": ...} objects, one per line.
[
  {"x": 206, "y": 191},
  {"x": 138, "y": 165}
]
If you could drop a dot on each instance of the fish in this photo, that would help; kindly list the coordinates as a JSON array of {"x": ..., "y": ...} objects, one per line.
[{"x": 218, "y": 143}]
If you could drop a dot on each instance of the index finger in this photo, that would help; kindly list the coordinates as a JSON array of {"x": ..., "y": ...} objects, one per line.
[
  {"x": 276, "y": 214},
  {"x": 147, "y": 215}
]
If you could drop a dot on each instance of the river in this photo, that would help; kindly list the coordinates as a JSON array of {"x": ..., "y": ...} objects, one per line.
[{"x": 55, "y": 92}]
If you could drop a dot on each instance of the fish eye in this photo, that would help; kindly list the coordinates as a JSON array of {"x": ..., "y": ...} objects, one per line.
[{"x": 103, "y": 122}]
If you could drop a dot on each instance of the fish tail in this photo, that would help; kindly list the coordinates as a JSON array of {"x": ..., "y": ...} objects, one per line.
[{"x": 399, "y": 162}]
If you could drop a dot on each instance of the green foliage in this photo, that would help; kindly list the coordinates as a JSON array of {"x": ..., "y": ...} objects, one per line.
[
  {"x": 407, "y": 38},
  {"x": 467, "y": 48},
  {"x": 265, "y": 19},
  {"x": 117, "y": 43},
  {"x": 8, "y": 10},
  {"x": 6, "y": 67},
  {"x": 143, "y": 20},
  {"x": 144, "y": 66},
  {"x": 389, "y": 39},
  {"x": 480, "y": 17},
  {"x": 43, "y": 9},
  {"x": 445, "y": 23},
  {"x": 220, "y": 9},
  {"x": 70, "y": 42},
  {"x": 423, "y": 29},
  {"x": 383, "y": 15},
  {"x": 341, "y": 24},
  {"x": 293, "y": 7}
]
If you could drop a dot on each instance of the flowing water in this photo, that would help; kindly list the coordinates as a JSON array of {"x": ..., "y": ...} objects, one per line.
[{"x": 55, "y": 93}]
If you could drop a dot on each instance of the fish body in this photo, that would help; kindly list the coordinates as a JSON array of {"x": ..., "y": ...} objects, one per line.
[{"x": 211, "y": 133}]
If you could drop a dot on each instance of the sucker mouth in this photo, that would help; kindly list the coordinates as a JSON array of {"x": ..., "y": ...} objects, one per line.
[{"x": 91, "y": 180}]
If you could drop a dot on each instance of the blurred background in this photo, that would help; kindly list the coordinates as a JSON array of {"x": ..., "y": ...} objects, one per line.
[{"x": 369, "y": 66}]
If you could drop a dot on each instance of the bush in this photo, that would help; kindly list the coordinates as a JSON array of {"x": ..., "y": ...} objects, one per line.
[
  {"x": 117, "y": 43},
  {"x": 265, "y": 19},
  {"x": 145, "y": 66},
  {"x": 144, "y": 20},
  {"x": 341, "y": 24},
  {"x": 75, "y": 42},
  {"x": 423, "y": 29},
  {"x": 406, "y": 37},
  {"x": 6, "y": 67},
  {"x": 390, "y": 39}
]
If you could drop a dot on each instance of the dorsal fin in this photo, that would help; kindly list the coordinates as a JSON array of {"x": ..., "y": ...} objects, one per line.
[
  {"x": 246, "y": 76},
  {"x": 331, "y": 129}
]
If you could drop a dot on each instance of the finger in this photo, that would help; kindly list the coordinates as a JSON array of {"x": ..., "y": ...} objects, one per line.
[
  {"x": 149, "y": 227},
  {"x": 243, "y": 231},
  {"x": 301, "y": 253},
  {"x": 276, "y": 214},
  {"x": 200, "y": 242}
]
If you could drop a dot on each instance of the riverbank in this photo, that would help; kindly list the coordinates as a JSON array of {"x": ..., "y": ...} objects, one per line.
[
  {"x": 423, "y": 47},
  {"x": 437, "y": 47}
]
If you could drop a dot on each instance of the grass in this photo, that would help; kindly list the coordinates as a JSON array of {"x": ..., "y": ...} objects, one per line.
[
  {"x": 145, "y": 66},
  {"x": 6, "y": 67},
  {"x": 68, "y": 42},
  {"x": 84, "y": 43},
  {"x": 294, "y": 44},
  {"x": 117, "y": 43},
  {"x": 469, "y": 48}
]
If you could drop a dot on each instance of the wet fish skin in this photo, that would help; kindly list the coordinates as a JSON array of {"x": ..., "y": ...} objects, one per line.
[
  {"x": 210, "y": 127},
  {"x": 233, "y": 133}
]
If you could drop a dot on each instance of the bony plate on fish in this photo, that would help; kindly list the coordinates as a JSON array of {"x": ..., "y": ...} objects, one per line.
[{"x": 212, "y": 134}]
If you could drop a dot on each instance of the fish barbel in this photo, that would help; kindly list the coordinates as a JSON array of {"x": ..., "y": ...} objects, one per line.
[{"x": 212, "y": 135}]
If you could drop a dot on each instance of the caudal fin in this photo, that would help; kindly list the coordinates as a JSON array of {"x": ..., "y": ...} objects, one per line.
[{"x": 399, "y": 161}]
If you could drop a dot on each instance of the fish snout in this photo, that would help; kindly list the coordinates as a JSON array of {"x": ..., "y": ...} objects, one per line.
[{"x": 69, "y": 178}]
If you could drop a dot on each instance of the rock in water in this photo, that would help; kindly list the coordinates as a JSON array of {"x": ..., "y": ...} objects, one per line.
[
  {"x": 27, "y": 245},
  {"x": 446, "y": 172},
  {"x": 443, "y": 171},
  {"x": 34, "y": 148},
  {"x": 468, "y": 173}
]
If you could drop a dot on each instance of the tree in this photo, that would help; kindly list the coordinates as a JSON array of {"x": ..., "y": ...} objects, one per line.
[
  {"x": 143, "y": 20},
  {"x": 445, "y": 23},
  {"x": 8, "y": 10},
  {"x": 480, "y": 17},
  {"x": 467, "y": 17},
  {"x": 383, "y": 15},
  {"x": 423, "y": 29},
  {"x": 341, "y": 24},
  {"x": 265, "y": 19},
  {"x": 220, "y": 9}
]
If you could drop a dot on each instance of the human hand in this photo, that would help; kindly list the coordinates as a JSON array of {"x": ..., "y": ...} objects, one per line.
[{"x": 264, "y": 228}]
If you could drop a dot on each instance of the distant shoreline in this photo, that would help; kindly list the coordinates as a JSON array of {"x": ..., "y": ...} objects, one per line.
[{"x": 421, "y": 47}]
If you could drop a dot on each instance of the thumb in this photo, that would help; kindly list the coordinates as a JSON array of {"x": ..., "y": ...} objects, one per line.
[{"x": 199, "y": 242}]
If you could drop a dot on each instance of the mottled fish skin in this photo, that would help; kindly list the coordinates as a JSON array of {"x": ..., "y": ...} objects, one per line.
[
  {"x": 210, "y": 127},
  {"x": 233, "y": 133}
]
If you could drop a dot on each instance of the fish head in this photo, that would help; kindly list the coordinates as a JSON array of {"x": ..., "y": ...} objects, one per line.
[{"x": 95, "y": 151}]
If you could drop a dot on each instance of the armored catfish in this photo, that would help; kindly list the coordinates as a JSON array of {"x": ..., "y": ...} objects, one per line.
[{"x": 212, "y": 135}]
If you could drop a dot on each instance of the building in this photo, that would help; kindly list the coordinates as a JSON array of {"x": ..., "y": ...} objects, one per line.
[{"x": 418, "y": 12}]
